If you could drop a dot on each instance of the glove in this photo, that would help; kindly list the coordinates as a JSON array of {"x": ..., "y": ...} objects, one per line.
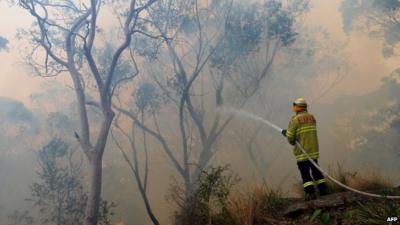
[{"x": 284, "y": 133}]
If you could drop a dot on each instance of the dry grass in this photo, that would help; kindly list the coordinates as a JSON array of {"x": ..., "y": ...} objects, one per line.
[
  {"x": 342, "y": 175},
  {"x": 257, "y": 204},
  {"x": 243, "y": 208},
  {"x": 373, "y": 181}
]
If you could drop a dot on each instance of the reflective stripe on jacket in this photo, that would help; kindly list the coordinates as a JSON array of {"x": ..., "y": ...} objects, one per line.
[{"x": 303, "y": 128}]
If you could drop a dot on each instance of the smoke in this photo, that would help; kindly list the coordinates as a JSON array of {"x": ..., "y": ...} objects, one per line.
[{"x": 341, "y": 74}]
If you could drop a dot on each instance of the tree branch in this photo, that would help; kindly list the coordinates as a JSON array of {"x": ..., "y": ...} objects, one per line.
[{"x": 155, "y": 135}]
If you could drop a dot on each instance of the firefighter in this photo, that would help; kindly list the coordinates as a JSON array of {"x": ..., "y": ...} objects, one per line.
[{"x": 303, "y": 129}]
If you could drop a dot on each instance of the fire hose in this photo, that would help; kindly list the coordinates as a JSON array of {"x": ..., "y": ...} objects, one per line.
[{"x": 277, "y": 128}]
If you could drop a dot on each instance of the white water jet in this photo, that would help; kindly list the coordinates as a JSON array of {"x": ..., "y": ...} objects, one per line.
[{"x": 251, "y": 116}]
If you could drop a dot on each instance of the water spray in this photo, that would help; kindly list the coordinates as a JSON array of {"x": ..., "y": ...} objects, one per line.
[{"x": 277, "y": 128}]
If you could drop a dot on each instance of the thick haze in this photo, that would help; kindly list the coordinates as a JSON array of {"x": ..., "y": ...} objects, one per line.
[
  {"x": 367, "y": 69},
  {"x": 358, "y": 58}
]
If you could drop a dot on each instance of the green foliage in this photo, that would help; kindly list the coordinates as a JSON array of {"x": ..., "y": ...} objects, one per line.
[
  {"x": 208, "y": 203},
  {"x": 59, "y": 195},
  {"x": 20, "y": 218},
  {"x": 351, "y": 10},
  {"x": 214, "y": 184},
  {"x": 3, "y": 43},
  {"x": 315, "y": 214},
  {"x": 323, "y": 217},
  {"x": 125, "y": 69},
  {"x": 280, "y": 23},
  {"x": 148, "y": 97},
  {"x": 175, "y": 14},
  {"x": 247, "y": 25},
  {"x": 243, "y": 33},
  {"x": 106, "y": 212},
  {"x": 380, "y": 18},
  {"x": 213, "y": 187},
  {"x": 14, "y": 111},
  {"x": 375, "y": 212},
  {"x": 58, "y": 121},
  {"x": 16, "y": 123}
]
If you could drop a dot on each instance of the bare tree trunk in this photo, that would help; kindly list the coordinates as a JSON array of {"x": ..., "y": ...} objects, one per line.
[
  {"x": 143, "y": 187},
  {"x": 95, "y": 171},
  {"x": 94, "y": 194},
  {"x": 146, "y": 201}
]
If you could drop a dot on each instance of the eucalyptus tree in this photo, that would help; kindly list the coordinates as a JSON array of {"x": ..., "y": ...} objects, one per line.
[
  {"x": 66, "y": 38},
  {"x": 58, "y": 195},
  {"x": 17, "y": 121},
  {"x": 207, "y": 61},
  {"x": 379, "y": 18}
]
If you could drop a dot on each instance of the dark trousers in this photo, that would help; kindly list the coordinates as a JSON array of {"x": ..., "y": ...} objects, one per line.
[{"x": 306, "y": 170}]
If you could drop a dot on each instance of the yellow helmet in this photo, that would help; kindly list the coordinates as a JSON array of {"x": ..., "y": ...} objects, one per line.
[{"x": 300, "y": 102}]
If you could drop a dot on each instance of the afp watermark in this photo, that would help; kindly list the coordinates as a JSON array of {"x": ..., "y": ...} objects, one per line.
[{"x": 392, "y": 219}]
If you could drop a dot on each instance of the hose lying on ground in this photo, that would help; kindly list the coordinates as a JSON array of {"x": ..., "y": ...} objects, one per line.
[
  {"x": 254, "y": 117},
  {"x": 341, "y": 184}
]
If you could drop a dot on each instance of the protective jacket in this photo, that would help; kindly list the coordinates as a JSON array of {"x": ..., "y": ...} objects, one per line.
[{"x": 303, "y": 128}]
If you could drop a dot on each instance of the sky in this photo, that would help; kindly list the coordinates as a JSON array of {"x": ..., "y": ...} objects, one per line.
[{"x": 367, "y": 68}]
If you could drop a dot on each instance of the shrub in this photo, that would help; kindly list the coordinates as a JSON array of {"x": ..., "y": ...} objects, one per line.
[
  {"x": 374, "y": 212},
  {"x": 208, "y": 204},
  {"x": 20, "y": 218},
  {"x": 59, "y": 195}
]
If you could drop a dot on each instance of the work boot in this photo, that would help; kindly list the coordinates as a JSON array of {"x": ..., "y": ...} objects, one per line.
[
  {"x": 323, "y": 189},
  {"x": 310, "y": 196}
]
